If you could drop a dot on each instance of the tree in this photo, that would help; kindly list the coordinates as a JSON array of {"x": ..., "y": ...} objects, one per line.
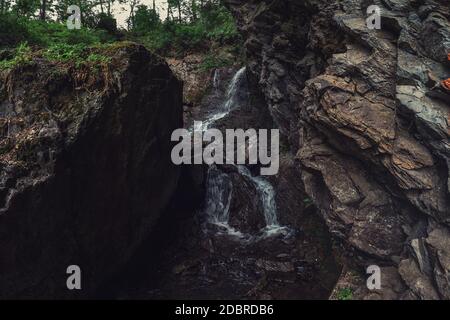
[
  {"x": 101, "y": 6},
  {"x": 45, "y": 8},
  {"x": 4, "y": 6},
  {"x": 194, "y": 10},
  {"x": 26, "y": 8},
  {"x": 176, "y": 4},
  {"x": 109, "y": 3},
  {"x": 132, "y": 4},
  {"x": 106, "y": 22},
  {"x": 144, "y": 19}
]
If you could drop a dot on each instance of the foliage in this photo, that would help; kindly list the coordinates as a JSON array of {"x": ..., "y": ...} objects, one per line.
[
  {"x": 144, "y": 20},
  {"x": 106, "y": 22},
  {"x": 191, "y": 25},
  {"x": 25, "y": 8},
  {"x": 212, "y": 23},
  {"x": 22, "y": 55},
  {"x": 64, "y": 52},
  {"x": 14, "y": 30},
  {"x": 77, "y": 54},
  {"x": 213, "y": 61},
  {"x": 345, "y": 294}
]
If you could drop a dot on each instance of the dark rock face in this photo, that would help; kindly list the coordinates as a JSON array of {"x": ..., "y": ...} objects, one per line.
[
  {"x": 85, "y": 168},
  {"x": 365, "y": 112}
]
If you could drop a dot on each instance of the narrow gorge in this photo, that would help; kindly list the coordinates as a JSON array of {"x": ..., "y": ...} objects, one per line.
[
  {"x": 364, "y": 161},
  {"x": 238, "y": 241},
  {"x": 364, "y": 119}
]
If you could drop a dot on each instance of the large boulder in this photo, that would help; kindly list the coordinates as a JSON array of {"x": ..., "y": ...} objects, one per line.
[
  {"x": 85, "y": 167},
  {"x": 367, "y": 117}
]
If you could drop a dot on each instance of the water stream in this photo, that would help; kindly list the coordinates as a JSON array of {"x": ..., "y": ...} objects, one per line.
[
  {"x": 234, "y": 246},
  {"x": 219, "y": 187},
  {"x": 267, "y": 196},
  {"x": 219, "y": 192},
  {"x": 230, "y": 101}
]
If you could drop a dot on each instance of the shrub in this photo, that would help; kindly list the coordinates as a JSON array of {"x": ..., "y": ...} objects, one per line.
[
  {"x": 15, "y": 30},
  {"x": 214, "y": 24},
  {"x": 22, "y": 55},
  {"x": 77, "y": 54},
  {"x": 107, "y": 23},
  {"x": 12, "y": 30},
  {"x": 64, "y": 52},
  {"x": 345, "y": 294},
  {"x": 213, "y": 61}
]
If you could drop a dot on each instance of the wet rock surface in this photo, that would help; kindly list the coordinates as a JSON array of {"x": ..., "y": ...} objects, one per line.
[
  {"x": 367, "y": 116},
  {"x": 227, "y": 250},
  {"x": 201, "y": 261},
  {"x": 85, "y": 168}
]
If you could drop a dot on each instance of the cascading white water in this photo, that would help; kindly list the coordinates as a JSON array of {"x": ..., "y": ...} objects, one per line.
[
  {"x": 219, "y": 185},
  {"x": 219, "y": 191},
  {"x": 230, "y": 102},
  {"x": 267, "y": 196},
  {"x": 233, "y": 89}
]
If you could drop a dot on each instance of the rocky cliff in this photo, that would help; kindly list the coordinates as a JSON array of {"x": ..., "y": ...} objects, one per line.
[
  {"x": 367, "y": 119},
  {"x": 85, "y": 167}
]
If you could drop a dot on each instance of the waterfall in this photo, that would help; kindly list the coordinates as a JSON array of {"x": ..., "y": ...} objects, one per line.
[
  {"x": 267, "y": 195},
  {"x": 233, "y": 88},
  {"x": 230, "y": 102},
  {"x": 219, "y": 191},
  {"x": 219, "y": 186}
]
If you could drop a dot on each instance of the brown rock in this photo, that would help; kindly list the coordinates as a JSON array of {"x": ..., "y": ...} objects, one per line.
[{"x": 366, "y": 116}]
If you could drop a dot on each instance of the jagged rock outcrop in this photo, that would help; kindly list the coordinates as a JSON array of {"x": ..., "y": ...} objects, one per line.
[
  {"x": 85, "y": 167},
  {"x": 367, "y": 117},
  {"x": 195, "y": 81}
]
